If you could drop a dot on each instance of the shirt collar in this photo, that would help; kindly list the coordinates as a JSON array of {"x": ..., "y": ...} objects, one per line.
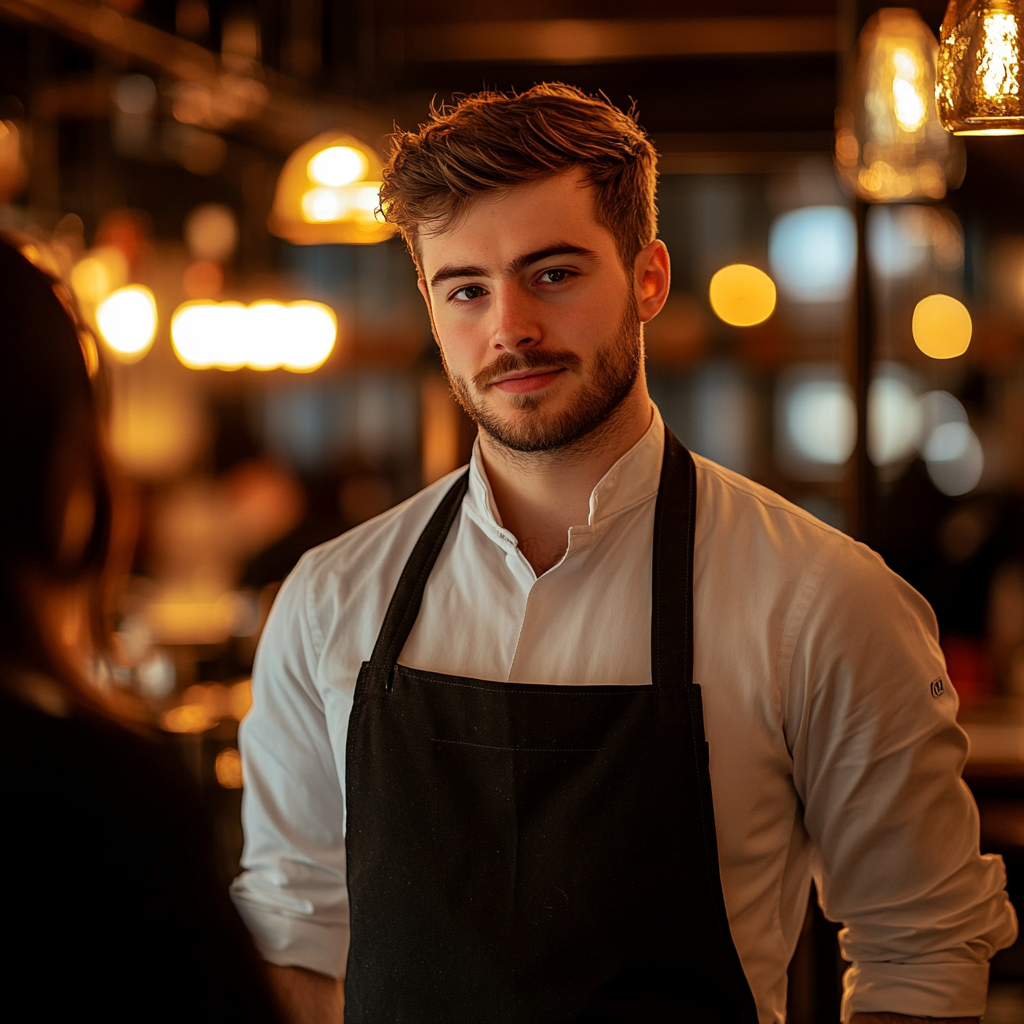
[{"x": 631, "y": 480}]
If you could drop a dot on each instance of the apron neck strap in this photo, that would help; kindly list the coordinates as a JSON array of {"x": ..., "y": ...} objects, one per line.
[
  {"x": 672, "y": 573},
  {"x": 408, "y": 595},
  {"x": 675, "y": 521}
]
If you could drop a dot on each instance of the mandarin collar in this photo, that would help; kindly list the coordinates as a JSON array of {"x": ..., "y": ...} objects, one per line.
[{"x": 631, "y": 480}]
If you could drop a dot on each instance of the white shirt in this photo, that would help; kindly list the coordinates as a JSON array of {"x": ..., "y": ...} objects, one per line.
[{"x": 829, "y": 754}]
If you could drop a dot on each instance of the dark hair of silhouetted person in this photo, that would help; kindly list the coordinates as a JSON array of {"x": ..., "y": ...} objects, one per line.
[{"x": 56, "y": 511}]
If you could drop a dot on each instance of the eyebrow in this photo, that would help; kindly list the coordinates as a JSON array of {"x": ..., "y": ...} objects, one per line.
[{"x": 449, "y": 271}]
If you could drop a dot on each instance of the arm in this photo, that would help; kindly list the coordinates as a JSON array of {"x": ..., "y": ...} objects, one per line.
[
  {"x": 308, "y": 997},
  {"x": 877, "y": 762},
  {"x": 292, "y": 892}
]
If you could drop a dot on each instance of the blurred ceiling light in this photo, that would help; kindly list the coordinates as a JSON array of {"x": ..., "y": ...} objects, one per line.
[
  {"x": 942, "y": 327},
  {"x": 821, "y": 421},
  {"x": 328, "y": 192},
  {"x": 99, "y": 273},
  {"x": 135, "y": 94},
  {"x": 953, "y": 458},
  {"x": 742, "y": 295},
  {"x": 890, "y": 145},
  {"x": 813, "y": 252},
  {"x": 127, "y": 322},
  {"x": 264, "y": 336},
  {"x": 337, "y": 166},
  {"x": 981, "y": 79},
  {"x": 211, "y": 232}
]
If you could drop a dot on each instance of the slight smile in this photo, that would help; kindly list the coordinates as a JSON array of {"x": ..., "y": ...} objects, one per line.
[{"x": 524, "y": 381}]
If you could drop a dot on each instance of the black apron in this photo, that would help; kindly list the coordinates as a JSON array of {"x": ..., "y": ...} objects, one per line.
[{"x": 532, "y": 854}]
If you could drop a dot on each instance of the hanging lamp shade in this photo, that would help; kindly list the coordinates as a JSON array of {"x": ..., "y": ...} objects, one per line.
[
  {"x": 981, "y": 68},
  {"x": 328, "y": 192},
  {"x": 890, "y": 144}
]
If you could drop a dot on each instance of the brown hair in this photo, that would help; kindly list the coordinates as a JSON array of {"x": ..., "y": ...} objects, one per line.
[
  {"x": 493, "y": 141},
  {"x": 57, "y": 514}
]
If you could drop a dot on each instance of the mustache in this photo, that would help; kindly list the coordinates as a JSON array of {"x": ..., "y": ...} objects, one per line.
[{"x": 531, "y": 359}]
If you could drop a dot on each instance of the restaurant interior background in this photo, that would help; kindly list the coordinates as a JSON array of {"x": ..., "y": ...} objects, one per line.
[{"x": 202, "y": 171}]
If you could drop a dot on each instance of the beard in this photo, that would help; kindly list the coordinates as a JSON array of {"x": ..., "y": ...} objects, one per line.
[{"x": 616, "y": 366}]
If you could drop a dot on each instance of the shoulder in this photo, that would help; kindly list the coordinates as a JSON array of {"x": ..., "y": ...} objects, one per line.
[
  {"x": 358, "y": 553},
  {"x": 756, "y": 538},
  {"x": 345, "y": 579}
]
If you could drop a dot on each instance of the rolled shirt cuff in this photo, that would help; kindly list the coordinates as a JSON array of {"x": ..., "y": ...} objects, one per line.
[
  {"x": 295, "y": 942},
  {"x": 950, "y": 989}
]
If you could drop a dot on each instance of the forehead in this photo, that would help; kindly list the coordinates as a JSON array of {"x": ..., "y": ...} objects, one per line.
[{"x": 526, "y": 218}]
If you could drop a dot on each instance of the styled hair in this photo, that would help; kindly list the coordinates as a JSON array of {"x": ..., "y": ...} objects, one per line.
[
  {"x": 57, "y": 513},
  {"x": 492, "y": 141}
]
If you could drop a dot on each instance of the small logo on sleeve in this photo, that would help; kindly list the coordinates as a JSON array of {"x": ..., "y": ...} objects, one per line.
[{"x": 937, "y": 688}]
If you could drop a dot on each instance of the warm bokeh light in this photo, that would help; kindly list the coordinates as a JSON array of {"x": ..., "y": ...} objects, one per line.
[
  {"x": 942, "y": 327},
  {"x": 337, "y": 166},
  {"x": 298, "y": 336},
  {"x": 742, "y": 295},
  {"x": 99, "y": 273},
  {"x": 127, "y": 322},
  {"x": 228, "y": 768}
]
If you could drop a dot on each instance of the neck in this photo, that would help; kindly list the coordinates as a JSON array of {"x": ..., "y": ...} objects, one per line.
[{"x": 540, "y": 495}]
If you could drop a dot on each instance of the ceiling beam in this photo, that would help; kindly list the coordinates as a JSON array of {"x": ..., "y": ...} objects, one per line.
[{"x": 602, "y": 41}]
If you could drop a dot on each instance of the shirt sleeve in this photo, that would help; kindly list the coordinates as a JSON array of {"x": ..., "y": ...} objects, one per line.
[
  {"x": 877, "y": 759},
  {"x": 292, "y": 891}
]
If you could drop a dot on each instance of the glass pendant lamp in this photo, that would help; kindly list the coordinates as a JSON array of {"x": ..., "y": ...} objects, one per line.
[
  {"x": 890, "y": 144},
  {"x": 981, "y": 68}
]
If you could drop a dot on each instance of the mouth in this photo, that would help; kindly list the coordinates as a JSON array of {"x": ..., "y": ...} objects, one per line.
[{"x": 524, "y": 381}]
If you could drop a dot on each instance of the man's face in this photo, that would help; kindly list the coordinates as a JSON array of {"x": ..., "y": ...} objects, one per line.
[{"x": 536, "y": 317}]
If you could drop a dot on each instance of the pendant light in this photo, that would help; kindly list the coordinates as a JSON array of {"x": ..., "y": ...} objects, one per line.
[
  {"x": 890, "y": 144},
  {"x": 327, "y": 192},
  {"x": 981, "y": 68}
]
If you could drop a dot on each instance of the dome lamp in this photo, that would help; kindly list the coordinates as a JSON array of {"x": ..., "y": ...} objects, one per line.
[{"x": 328, "y": 192}]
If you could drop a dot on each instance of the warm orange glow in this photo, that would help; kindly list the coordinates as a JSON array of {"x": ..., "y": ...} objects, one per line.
[
  {"x": 228, "y": 767},
  {"x": 742, "y": 295},
  {"x": 328, "y": 193},
  {"x": 942, "y": 327},
  {"x": 127, "y": 321},
  {"x": 188, "y": 718},
  {"x": 298, "y": 336}
]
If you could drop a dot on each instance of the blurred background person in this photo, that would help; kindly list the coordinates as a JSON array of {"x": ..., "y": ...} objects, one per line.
[{"x": 114, "y": 904}]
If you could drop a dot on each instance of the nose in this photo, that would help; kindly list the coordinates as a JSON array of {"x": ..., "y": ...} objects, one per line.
[{"x": 515, "y": 325}]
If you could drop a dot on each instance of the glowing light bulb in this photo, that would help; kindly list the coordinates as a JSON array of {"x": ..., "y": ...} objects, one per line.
[
  {"x": 890, "y": 145},
  {"x": 942, "y": 327},
  {"x": 127, "y": 321},
  {"x": 323, "y": 205},
  {"x": 742, "y": 295},
  {"x": 337, "y": 166},
  {"x": 980, "y": 78}
]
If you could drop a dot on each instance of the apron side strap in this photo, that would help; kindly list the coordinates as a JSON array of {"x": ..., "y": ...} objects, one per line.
[
  {"x": 408, "y": 596},
  {"x": 675, "y": 521}
]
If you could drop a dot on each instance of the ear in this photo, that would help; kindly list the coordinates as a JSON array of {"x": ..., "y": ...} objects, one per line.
[{"x": 651, "y": 278}]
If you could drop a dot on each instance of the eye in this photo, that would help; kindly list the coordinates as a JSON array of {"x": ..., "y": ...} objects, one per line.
[
  {"x": 556, "y": 275},
  {"x": 468, "y": 293}
]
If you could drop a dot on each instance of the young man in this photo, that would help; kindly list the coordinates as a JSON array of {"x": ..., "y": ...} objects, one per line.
[{"x": 590, "y": 716}]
